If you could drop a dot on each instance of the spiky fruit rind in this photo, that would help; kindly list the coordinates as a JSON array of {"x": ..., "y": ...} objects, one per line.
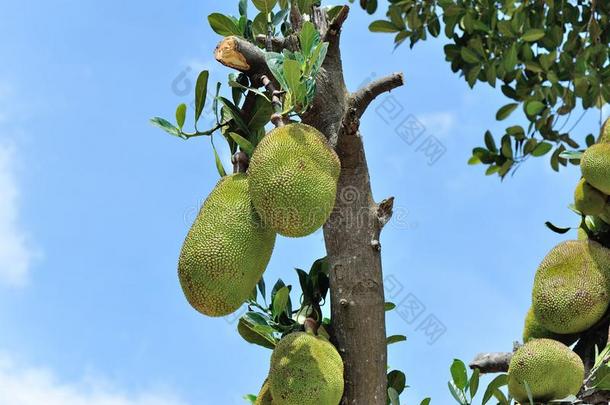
[
  {"x": 595, "y": 166},
  {"x": 551, "y": 370},
  {"x": 588, "y": 200},
  {"x": 571, "y": 287},
  {"x": 534, "y": 330},
  {"x": 306, "y": 370},
  {"x": 604, "y": 134},
  {"x": 226, "y": 250},
  {"x": 293, "y": 179},
  {"x": 264, "y": 396}
]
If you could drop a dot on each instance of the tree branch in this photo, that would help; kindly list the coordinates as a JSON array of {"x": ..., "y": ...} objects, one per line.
[
  {"x": 239, "y": 54},
  {"x": 336, "y": 24},
  {"x": 277, "y": 118},
  {"x": 491, "y": 362},
  {"x": 361, "y": 99},
  {"x": 290, "y": 42}
]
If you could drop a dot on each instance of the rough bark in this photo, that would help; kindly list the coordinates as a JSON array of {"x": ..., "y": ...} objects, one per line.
[{"x": 352, "y": 232}]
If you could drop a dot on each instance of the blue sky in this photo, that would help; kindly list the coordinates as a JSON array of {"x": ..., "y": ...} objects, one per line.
[{"x": 95, "y": 203}]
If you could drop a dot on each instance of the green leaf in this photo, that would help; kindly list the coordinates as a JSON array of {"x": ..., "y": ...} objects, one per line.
[
  {"x": 266, "y": 6},
  {"x": 219, "y": 167},
  {"x": 510, "y": 58},
  {"x": 166, "y": 126},
  {"x": 507, "y": 149},
  {"x": 250, "y": 397},
  {"x": 309, "y": 37},
  {"x": 474, "y": 383},
  {"x": 459, "y": 374},
  {"x": 243, "y": 143},
  {"x": 393, "y": 396},
  {"x": 292, "y": 73},
  {"x": 383, "y": 26},
  {"x": 261, "y": 287},
  {"x": 262, "y": 115},
  {"x": 533, "y": 107},
  {"x": 275, "y": 62},
  {"x": 533, "y": 35},
  {"x": 505, "y": 111},
  {"x": 494, "y": 386},
  {"x": 425, "y": 401},
  {"x": 556, "y": 229},
  {"x": 389, "y": 306},
  {"x": 542, "y": 149},
  {"x": 397, "y": 380},
  {"x": 235, "y": 114},
  {"x": 571, "y": 154},
  {"x": 457, "y": 394},
  {"x": 255, "y": 335},
  {"x": 243, "y": 8},
  {"x": 259, "y": 25},
  {"x": 181, "y": 115},
  {"x": 223, "y": 25},
  {"x": 280, "y": 301},
  {"x": 469, "y": 55},
  {"x": 395, "y": 339},
  {"x": 490, "y": 142},
  {"x": 201, "y": 93},
  {"x": 529, "y": 392}
]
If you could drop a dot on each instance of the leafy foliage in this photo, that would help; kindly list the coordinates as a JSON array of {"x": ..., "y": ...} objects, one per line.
[
  {"x": 546, "y": 57},
  {"x": 464, "y": 388}
]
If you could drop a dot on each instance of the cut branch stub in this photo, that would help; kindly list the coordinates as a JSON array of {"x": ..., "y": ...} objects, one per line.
[
  {"x": 491, "y": 362},
  {"x": 239, "y": 54},
  {"x": 240, "y": 162}
]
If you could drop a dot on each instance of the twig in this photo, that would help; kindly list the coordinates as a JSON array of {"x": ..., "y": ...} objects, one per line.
[
  {"x": 361, "y": 99},
  {"x": 277, "y": 118},
  {"x": 337, "y": 23}
]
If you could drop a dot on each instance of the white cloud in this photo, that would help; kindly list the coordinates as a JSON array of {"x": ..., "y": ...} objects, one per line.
[
  {"x": 15, "y": 254},
  {"x": 438, "y": 124},
  {"x": 36, "y": 386}
]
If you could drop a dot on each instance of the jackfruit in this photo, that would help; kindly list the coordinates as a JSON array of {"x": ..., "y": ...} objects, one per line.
[
  {"x": 551, "y": 370},
  {"x": 226, "y": 250},
  {"x": 589, "y": 200},
  {"x": 571, "y": 286},
  {"x": 534, "y": 330},
  {"x": 264, "y": 396},
  {"x": 293, "y": 179},
  {"x": 306, "y": 370},
  {"x": 595, "y": 166}
]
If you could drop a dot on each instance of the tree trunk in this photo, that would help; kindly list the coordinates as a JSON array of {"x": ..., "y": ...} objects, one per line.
[{"x": 352, "y": 232}]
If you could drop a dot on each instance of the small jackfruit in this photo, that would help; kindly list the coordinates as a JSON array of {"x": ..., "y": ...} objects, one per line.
[
  {"x": 306, "y": 370},
  {"x": 551, "y": 370},
  {"x": 571, "y": 286},
  {"x": 226, "y": 250},
  {"x": 534, "y": 330},
  {"x": 264, "y": 396},
  {"x": 589, "y": 200},
  {"x": 595, "y": 166},
  {"x": 293, "y": 179}
]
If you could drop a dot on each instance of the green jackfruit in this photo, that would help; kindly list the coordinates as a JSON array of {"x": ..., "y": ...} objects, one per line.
[
  {"x": 264, "y": 396},
  {"x": 589, "y": 200},
  {"x": 571, "y": 287},
  {"x": 306, "y": 370},
  {"x": 226, "y": 251},
  {"x": 595, "y": 166},
  {"x": 551, "y": 370},
  {"x": 534, "y": 330},
  {"x": 293, "y": 179}
]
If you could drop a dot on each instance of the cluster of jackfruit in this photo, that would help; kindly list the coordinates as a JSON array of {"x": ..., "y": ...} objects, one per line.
[
  {"x": 591, "y": 194},
  {"x": 306, "y": 370},
  {"x": 289, "y": 189}
]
